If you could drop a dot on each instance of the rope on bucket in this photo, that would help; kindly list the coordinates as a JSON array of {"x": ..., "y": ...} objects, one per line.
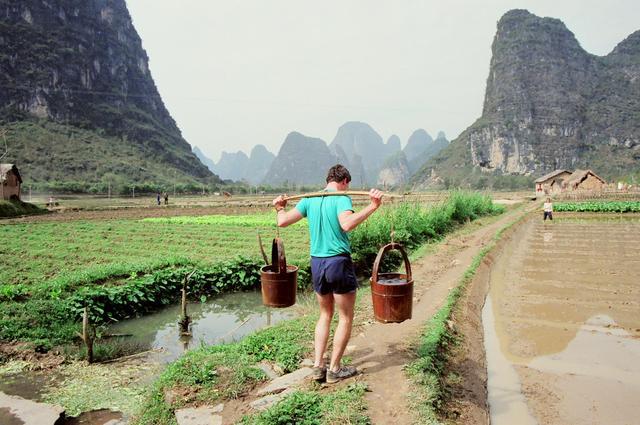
[{"x": 393, "y": 232}]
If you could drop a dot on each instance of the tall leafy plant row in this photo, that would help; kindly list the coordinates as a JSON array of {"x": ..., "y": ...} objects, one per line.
[
  {"x": 413, "y": 225},
  {"x": 141, "y": 295}
]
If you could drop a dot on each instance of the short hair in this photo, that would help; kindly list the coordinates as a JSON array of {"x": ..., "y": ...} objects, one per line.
[{"x": 337, "y": 173}]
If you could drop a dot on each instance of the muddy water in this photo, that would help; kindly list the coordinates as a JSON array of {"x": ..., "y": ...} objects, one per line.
[
  {"x": 223, "y": 319},
  {"x": 564, "y": 343}
]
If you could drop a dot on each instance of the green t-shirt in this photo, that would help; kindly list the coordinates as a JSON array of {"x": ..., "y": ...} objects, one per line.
[{"x": 327, "y": 237}]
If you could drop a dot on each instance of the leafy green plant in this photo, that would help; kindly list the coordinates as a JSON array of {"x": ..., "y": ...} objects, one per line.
[{"x": 598, "y": 206}]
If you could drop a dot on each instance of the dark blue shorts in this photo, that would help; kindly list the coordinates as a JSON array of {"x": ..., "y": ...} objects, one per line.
[{"x": 333, "y": 274}]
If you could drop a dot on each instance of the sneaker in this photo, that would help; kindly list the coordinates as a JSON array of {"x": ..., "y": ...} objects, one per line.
[
  {"x": 343, "y": 373},
  {"x": 319, "y": 373}
]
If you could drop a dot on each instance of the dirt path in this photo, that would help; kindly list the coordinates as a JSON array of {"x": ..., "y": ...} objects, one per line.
[{"x": 381, "y": 350}]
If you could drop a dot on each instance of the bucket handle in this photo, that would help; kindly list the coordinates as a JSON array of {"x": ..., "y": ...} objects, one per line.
[
  {"x": 383, "y": 250},
  {"x": 278, "y": 259}
]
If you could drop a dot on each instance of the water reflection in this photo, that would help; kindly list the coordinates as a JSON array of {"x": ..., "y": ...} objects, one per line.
[
  {"x": 600, "y": 349},
  {"x": 507, "y": 404},
  {"x": 223, "y": 319}
]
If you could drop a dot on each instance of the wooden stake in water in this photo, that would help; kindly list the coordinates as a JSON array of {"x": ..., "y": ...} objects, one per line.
[
  {"x": 185, "y": 320},
  {"x": 87, "y": 334}
]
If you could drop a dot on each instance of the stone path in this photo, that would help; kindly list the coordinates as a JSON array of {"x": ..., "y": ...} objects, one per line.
[
  {"x": 266, "y": 396},
  {"x": 20, "y": 411}
]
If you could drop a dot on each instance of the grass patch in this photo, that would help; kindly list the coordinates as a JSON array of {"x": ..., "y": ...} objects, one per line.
[
  {"x": 18, "y": 208},
  {"x": 343, "y": 406},
  {"x": 414, "y": 225},
  {"x": 97, "y": 386},
  {"x": 228, "y": 370},
  {"x": 105, "y": 349}
]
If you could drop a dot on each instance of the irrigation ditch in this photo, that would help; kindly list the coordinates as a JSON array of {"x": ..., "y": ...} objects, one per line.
[{"x": 559, "y": 324}]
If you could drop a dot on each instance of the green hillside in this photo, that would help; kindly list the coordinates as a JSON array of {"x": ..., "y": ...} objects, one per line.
[{"x": 53, "y": 156}]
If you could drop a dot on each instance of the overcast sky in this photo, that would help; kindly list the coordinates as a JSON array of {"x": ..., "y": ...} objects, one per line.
[{"x": 235, "y": 73}]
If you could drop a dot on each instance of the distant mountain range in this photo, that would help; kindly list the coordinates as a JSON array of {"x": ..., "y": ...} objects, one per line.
[
  {"x": 304, "y": 160},
  {"x": 548, "y": 105},
  {"x": 238, "y": 166}
]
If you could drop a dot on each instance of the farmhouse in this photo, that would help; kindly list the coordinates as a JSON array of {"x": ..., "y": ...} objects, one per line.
[
  {"x": 10, "y": 181},
  {"x": 552, "y": 182},
  {"x": 585, "y": 180}
]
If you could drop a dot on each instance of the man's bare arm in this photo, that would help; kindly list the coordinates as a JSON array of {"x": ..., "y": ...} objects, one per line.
[
  {"x": 285, "y": 218},
  {"x": 350, "y": 220}
]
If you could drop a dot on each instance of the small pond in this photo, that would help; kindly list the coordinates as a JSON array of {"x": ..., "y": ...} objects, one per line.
[{"x": 218, "y": 320}]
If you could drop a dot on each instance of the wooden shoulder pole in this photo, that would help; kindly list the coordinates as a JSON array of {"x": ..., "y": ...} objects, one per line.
[{"x": 338, "y": 193}]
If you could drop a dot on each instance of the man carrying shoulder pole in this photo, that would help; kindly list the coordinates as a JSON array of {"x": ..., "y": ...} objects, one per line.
[{"x": 332, "y": 272}]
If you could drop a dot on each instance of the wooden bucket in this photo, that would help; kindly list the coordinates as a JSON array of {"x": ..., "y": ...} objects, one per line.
[
  {"x": 392, "y": 293},
  {"x": 278, "y": 280}
]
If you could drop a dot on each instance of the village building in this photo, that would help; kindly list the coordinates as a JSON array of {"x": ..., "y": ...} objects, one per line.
[
  {"x": 10, "y": 182},
  {"x": 554, "y": 182},
  {"x": 585, "y": 180}
]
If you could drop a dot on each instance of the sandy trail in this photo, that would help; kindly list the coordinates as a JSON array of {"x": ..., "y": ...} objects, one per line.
[{"x": 381, "y": 350}]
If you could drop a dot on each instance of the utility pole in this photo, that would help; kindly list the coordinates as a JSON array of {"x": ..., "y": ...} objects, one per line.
[
  {"x": 109, "y": 193},
  {"x": 175, "y": 176},
  {"x": 133, "y": 191},
  {"x": 6, "y": 149},
  {"x": 29, "y": 193}
]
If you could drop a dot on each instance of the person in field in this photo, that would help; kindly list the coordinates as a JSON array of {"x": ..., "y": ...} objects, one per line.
[
  {"x": 330, "y": 219},
  {"x": 548, "y": 209}
]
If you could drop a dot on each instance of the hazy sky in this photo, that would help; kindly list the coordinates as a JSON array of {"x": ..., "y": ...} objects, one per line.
[{"x": 235, "y": 73}]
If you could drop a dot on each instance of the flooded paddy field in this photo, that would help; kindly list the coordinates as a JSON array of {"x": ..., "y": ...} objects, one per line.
[{"x": 562, "y": 322}]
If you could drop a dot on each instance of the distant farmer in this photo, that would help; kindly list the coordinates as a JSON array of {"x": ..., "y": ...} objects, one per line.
[
  {"x": 158, "y": 197},
  {"x": 548, "y": 209},
  {"x": 332, "y": 272},
  {"x": 166, "y": 198}
]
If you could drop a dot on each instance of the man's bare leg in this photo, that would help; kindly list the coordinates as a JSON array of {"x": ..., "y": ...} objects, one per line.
[
  {"x": 323, "y": 326},
  {"x": 345, "y": 304}
]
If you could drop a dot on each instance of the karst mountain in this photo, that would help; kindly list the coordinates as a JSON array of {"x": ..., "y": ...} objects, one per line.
[
  {"x": 548, "y": 105},
  {"x": 78, "y": 101}
]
